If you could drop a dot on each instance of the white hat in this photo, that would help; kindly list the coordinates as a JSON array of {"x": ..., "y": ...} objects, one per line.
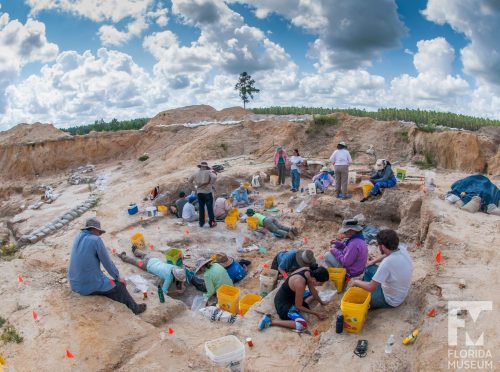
[
  {"x": 179, "y": 274},
  {"x": 380, "y": 164}
]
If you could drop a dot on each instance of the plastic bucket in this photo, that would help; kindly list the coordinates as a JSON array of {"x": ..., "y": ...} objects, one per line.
[
  {"x": 247, "y": 186},
  {"x": 337, "y": 277},
  {"x": 252, "y": 222},
  {"x": 227, "y": 298},
  {"x": 311, "y": 189},
  {"x": 400, "y": 174},
  {"x": 230, "y": 222},
  {"x": 233, "y": 212},
  {"x": 268, "y": 202},
  {"x": 247, "y": 301},
  {"x": 227, "y": 352},
  {"x": 138, "y": 240},
  {"x": 268, "y": 279},
  {"x": 163, "y": 209},
  {"x": 133, "y": 209},
  {"x": 366, "y": 187},
  {"x": 354, "y": 306},
  {"x": 274, "y": 180},
  {"x": 151, "y": 211},
  {"x": 174, "y": 257}
]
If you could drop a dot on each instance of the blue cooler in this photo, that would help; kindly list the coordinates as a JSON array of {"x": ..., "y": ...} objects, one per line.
[{"x": 132, "y": 209}]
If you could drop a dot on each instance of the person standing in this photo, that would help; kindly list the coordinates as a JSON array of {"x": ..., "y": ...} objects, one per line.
[
  {"x": 280, "y": 161},
  {"x": 204, "y": 180},
  {"x": 84, "y": 273},
  {"x": 341, "y": 159},
  {"x": 297, "y": 161}
]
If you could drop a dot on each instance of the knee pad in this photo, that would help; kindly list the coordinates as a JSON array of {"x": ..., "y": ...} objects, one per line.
[{"x": 300, "y": 324}]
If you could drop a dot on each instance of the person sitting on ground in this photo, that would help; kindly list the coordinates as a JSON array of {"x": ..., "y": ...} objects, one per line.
[
  {"x": 350, "y": 253},
  {"x": 240, "y": 196},
  {"x": 237, "y": 270},
  {"x": 390, "y": 282},
  {"x": 273, "y": 225},
  {"x": 180, "y": 203},
  {"x": 221, "y": 207},
  {"x": 287, "y": 262},
  {"x": 383, "y": 177},
  {"x": 84, "y": 273},
  {"x": 292, "y": 299},
  {"x": 188, "y": 211},
  {"x": 172, "y": 278},
  {"x": 214, "y": 276},
  {"x": 323, "y": 179}
]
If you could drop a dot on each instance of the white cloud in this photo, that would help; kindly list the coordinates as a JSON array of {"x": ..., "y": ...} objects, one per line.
[{"x": 479, "y": 21}]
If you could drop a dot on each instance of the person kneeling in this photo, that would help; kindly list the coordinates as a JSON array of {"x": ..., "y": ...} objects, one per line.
[
  {"x": 292, "y": 299},
  {"x": 390, "y": 282},
  {"x": 383, "y": 177},
  {"x": 237, "y": 270}
]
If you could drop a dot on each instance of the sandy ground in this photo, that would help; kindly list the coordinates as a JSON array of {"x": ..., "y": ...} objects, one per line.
[{"x": 103, "y": 335}]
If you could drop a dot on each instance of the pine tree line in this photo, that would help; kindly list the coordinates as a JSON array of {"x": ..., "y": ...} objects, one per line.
[{"x": 112, "y": 126}]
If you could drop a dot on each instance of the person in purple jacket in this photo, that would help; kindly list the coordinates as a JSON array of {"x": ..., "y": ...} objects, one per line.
[{"x": 351, "y": 253}]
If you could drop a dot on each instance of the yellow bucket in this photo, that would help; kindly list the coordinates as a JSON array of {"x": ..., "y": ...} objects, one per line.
[
  {"x": 366, "y": 187},
  {"x": 138, "y": 241},
  {"x": 247, "y": 301},
  {"x": 230, "y": 222},
  {"x": 252, "y": 222},
  {"x": 337, "y": 276},
  {"x": 227, "y": 298},
  {"x": 268, "y": 202},
  {"x": 354, "y": 306},
  {"x": 247, "y": 186},
  {"x": 163, "y": 209},
  {"x": 234, "y": 212},
  {"x": 274, "y": 180}
]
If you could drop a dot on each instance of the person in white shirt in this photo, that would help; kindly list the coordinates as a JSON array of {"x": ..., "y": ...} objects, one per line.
[
  {"x": 341, "y": 159},
  {"x": 222, "y": 206},
  {"x": 390, "y": 282},
  {"x": 189, "y": 212},
  {"x": 296, "y": 160}
]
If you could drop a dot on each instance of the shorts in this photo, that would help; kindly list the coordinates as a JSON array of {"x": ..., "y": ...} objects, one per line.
[{"x": 295, "y": 315}]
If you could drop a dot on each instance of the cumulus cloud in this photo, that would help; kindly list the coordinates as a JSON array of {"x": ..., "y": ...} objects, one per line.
[
  {"x": 141, "y": 12},
  {"x": 80, "y": 88},
  {"x": 351, "y": 33},
  {"x": 434, "y": 87},
  {"x": 478, "y": 21}
]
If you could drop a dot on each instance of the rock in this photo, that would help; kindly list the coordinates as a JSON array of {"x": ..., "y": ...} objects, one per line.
[{"x": 59, "y": 225}]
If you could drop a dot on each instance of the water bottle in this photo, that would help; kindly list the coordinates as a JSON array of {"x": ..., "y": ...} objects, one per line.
[
  {"x": 160, "y": 295},
  {"x": 389, "y": 344},
  {"x": 339, "y": 325}
]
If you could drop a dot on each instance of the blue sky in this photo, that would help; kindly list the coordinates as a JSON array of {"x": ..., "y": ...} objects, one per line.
[{"x": 72, "y": 62}]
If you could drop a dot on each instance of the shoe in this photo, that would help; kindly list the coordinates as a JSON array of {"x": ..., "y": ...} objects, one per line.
[
  {"x": 363, "y": 200},
  {"x": 213, "y": 224},
  {"x": 347, "y": 196},
  {"x": 340, "y": 196},
  {"x": 295, "y": 231},
  {"x": 290, "y": 235},
  {"x": 140, "y": 309},
  {"x": 265, "y": 322},
  {"x": 122, "y": 254}
]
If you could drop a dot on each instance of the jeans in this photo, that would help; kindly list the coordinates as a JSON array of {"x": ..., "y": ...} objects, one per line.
[
  {"x": 279, "y": 230},
  {"x": 205, "y": 199},
  {"x": 295, "y": 179},
  {"x": 378, "y": 299},
  {"x": 120, "y": 294},
  {"x": 381, "y": 185},
  {"x": 281, "y": 168},
  {"x": 332, "y": 261},
  {"x": 341, "y": 178}
]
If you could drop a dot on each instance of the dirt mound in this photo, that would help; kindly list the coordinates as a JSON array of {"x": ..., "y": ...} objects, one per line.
[
  {"x": 25, "y": 133},
  {"x": 196, "y": 114}
]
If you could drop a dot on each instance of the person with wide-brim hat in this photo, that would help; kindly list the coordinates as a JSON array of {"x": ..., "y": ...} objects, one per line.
[
  {"x": 341, "y": 159},
  {"x": 287, "y": 262},
  {"x": 84, "y": 273},
  {"x": 204, "y": 181},
  {"x": 273, "y": 225},
  {"x": 323, "y": 180},
  {"x": 240, "y": 196},
  {"x": 237, "y": 269},
  {"x": 383, "y": 177},
  {"x": 349, "y": 250},
  {"x": 214, "y": 276}
]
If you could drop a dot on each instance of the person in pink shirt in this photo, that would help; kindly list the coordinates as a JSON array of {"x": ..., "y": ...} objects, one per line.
[{"x": 280, "y": 161}]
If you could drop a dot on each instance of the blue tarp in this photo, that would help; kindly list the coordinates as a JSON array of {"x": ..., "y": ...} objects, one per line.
[{"x": 476, "y": 185}]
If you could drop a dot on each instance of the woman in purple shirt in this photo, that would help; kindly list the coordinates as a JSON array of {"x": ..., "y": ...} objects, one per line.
[{"x": 351, "y": 253}]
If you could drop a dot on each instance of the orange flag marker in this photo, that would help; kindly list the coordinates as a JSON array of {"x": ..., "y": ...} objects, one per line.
[
  {"x": 265, "y": 266},
  {"x": 20, "y": 279},
  {"x": 152, "y": 247},
  {"x": 170, "y": 331},
  {"x": 187, "y": 231},
  {"x": 306, "y": 239},
  {"x": 69, "y": 355},
  {"x": 438, "y": 258},
  {"x": 35, "y": 315},
  {"x": 285, "y": 275},
  {"x": 141, "y": 264},
  {"x": 316, "y": 332},
  {"x": 432, "y": 313},
  {"x": 113, "y": 250}
]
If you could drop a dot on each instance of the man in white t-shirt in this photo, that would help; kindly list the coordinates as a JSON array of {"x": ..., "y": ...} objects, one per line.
[{"x": 390, "y": 282}]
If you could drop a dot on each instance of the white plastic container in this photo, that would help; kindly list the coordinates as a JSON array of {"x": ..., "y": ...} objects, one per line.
[
  {"x": 311, "y": 188},
  {"x": 227, "y": 352},
  {"x": 151, "y": 211},
  {"x": 352, "y": 177}
]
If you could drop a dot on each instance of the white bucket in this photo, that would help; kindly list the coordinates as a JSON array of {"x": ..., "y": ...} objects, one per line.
[
  {"x": 227, "y": 352},
  {"x": 151, "y": 211},
  {"x": 311, "y": 188},
  {"x": 268, "y": 279}
]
